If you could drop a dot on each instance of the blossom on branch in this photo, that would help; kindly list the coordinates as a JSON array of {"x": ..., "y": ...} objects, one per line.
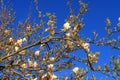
[
  {"x": 75, "y": 70},
  {"x": 16, "y": 48},
  {"x": 24, "y": 39},
  {"x": 30, "y": 63},
  {"x": 11, "y": 40},
  {"x": 37, "y": 53},
  {"x": 66, "y": 26},
  {"x": 85, "y": 46},
  {"x": 35, "y": 64},
  {"x": 22, "y": 52},
  {"x": 52, "y": 59}
]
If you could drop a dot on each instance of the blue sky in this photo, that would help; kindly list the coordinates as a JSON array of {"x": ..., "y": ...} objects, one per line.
[{"x": 94, "y": 20}]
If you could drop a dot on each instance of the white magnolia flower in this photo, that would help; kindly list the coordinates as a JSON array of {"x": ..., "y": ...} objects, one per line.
[
  {"x": 93, "y": 58},
  {"x": 50, "y": 65},
  {"x": 75, "y": 70},
  {"x": 35, "y": 64},
  {"x": 119, "y": 19},
  {"x": 22, "y": 52},
  {"x": 24, "y": 39},
  {"x": 10, "y": 39},
  {"x": 29, "y": 28},
  {"x": 45, "y": 75},
  {"x": 54, "y": 77},
  {"x": 66, "y": 26},
  {"x": 44, "y": 59},
  {"x": 30, "y": 63},
  {"x": 35, "y": 79},
  {"x": 24, "y": 66},
  {"x": 37, "y": 53},
  {"x": 85, "y": 46},
  {"x": 52, "y": 59},
  {"x": 6, "y": 32},
  {"x": 68, "y": 34},
  {"x": 47, "y": 29},
  {"x": 19, "y": 42},
  {"x": 16, "y": 48}
]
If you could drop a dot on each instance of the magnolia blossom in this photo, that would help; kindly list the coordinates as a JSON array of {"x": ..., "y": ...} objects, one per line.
[
  {"x": 66, "y": 26},
  {"x": 47, "y": 29},
  {"x": 10, "y": 39},
  {"x": 68, "y": 35},
  {"x": 119, "y": 19},
  {"x": 52, "y": 59},
  {"x": 16, "y": 48},
  {"x": 75, "y": 70},
  {"x": 6, "y": 32},
  {"x": 85, "y": 46},
  {"x": 42, "y": 46},
  {"x": 53, "y": 77},
  {"x": 35, "y": 64},
  {"x": 22, "y": 52},
  {"x": 29, "y": 28},
  {"x": 19, "y": 42},
  {"x": 37, "y": 53},
  {"x": 24, "y": 66},
  {"x": 30, "y": 63},
  {"x": 24, "y": 39},
  {"x": 44, "y": 59},
  {"x": 45, "y": 75},
  {"x": 93, "y": 58},
  {"x": 50, "y": 66}
]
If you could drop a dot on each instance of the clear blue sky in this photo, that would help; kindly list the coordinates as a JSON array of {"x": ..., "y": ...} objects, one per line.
[{"x": 94, "y": 20}]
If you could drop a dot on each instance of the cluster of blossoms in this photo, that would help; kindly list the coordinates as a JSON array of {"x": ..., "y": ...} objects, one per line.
[
  {"x": 18, "y": 44},
  {"x": 93, "y": 58},
  {"x": 50, "y": 67},
  {"x": 24, "y": 67},
  {"x": 66, "y": 26},
  {"x": 32, "y": 64},
  {"x": 68, "y": 35},
  {"x": 85, "y": 46},
  {"x": 11, "y": 40},
  {"x": 49, "y": 75},
  {"x": 77, "y": 74}
]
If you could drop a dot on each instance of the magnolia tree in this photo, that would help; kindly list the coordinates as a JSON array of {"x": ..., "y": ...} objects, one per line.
[{"x": 31, "y": 51}]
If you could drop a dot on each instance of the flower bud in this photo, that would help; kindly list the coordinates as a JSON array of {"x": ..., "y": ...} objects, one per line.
[
  {"x": 75, "y": 70},
  {"x": 37, "y": 53}
]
